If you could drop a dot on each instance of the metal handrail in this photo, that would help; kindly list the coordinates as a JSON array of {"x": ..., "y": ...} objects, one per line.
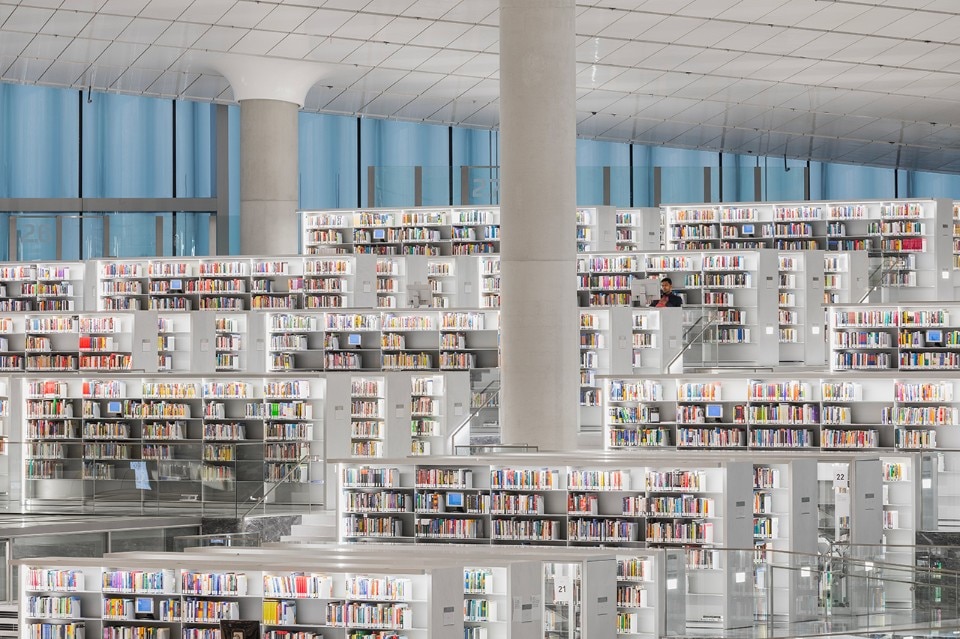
[
  {"x": 879, "y": 283},
  {"x": 474, "y": 412},
  {"x": 714, "y": 320},
  {"x": 304, "y": 459}
]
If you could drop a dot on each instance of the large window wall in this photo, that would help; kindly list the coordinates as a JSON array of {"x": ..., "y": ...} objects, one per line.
[{"x": 57, "y": 143}]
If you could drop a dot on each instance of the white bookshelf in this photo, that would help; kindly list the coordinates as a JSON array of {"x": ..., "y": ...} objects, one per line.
[
  {"x": 800, "y": 300},
  {"x": 637, "y": 229},
  {"x": 916, "y": 336},
  {"x": 191, "y": 594},
  {"x": 202, "y": 440}
]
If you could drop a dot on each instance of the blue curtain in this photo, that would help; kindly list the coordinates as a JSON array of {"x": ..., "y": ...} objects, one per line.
[
  {"x": 328, "y": 161},
  {"x": 592, "y": 156},
  {"x": 926, "y": 184},
  {"x": 39, "y": 134},
  {"x": 849, "y": 182},
  {"x": 479, "y": 151},
  {"x": 395, "y": 148},
  {"x": 681, "y": 174}
]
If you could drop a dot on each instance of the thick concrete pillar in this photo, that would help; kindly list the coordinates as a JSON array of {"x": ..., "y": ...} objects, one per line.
[
  {"x": 269, "y": 170},
  {"x": 270, "y": 92},
  {"x": 540, "y": 365}
]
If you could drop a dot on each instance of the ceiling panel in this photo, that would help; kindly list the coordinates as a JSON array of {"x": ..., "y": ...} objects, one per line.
[
  {"x": 324, "y": 22},
  {"x": 218, "y": 38},
  {"x": 401, "y": 30},
  {"x": 633, "y": 53},
  {"x": 165, "y": 9},
  {"x": 443, "y": 34},
  {"x": 124, "y": 7},
  {"x": 831, "y": 15},
  {"x": 64, "y": 23},
  {"x": 206, "y": 87},
  {"x": 785, "y": 76},
  {"x": 333, "y": 50},
  {"x": 158, "y": 58},
  {"x": 446, "y": 61},
  {"x": 171, "y": 82},
  {"x": 27, "y": 19},
  {"x": 136, "y": 80},
  {"x": 421, "y": 108},
  {"x": 245, "y": 15},
  {"x": 64, "y": 73},
  {"x": 370, "y": 54},
  {"x": 296, "y": 46},
  {"x": 207, "y": 11},
  {"x": 26, "y": 70},
  {"x": 103, "y": 76},
  {"x": 45, "y": 46},
  {"x": 377, "y": 80},
  {"x": 635, "y": 80},
  {"x": 82, "y": 50},
  {"x": 285, "y": 18},
  {"x": 181, "y": 34}
]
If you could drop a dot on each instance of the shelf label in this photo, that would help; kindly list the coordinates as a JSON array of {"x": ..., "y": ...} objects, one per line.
[{"x": 563, "y": 588}]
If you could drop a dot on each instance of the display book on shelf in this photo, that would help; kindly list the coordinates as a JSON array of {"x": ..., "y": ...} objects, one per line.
[
  {"x": 170, "y": 438},
  {"x": 629, "y": 504},
  {"x": 166, "y": 595},
  {"x": 410, "y": 231},
  {"x": 911, "y": 336}
]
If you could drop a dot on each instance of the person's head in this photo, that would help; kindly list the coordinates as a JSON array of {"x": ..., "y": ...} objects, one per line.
[{"x": 666, "y": 285}]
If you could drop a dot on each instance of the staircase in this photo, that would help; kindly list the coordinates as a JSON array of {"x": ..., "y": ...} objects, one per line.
[{"x": 320, "y": 526}]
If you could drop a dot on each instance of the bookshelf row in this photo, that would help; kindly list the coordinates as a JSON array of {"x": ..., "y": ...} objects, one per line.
[
  {"x": 206, "y": 439},
  {"x": 175, "y": 341},
  {"x": 801, "y": 412},
  {"x": 914, "y": 337},
  {"x": 370, "y": 594},
  {"x": 461, "y": 231}
]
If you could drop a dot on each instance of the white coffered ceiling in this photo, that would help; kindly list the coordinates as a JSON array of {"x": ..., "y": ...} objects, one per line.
[{"x": 868, "y": 81}]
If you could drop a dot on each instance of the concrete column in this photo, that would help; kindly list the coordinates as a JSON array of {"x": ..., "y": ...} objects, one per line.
[
  {"x": 540, "y": 367},
  {"x": 270, "y": 92},
  {"x": 269, "y": 169}
]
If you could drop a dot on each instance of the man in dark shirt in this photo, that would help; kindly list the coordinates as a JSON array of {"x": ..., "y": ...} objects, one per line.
[{"x": 667, "y": 296}]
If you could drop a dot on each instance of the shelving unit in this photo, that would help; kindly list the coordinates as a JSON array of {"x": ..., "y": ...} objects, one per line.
[
  {"x": 845, "y": 277},
  {"x": 638, "y": 229},
  {"x": 427, "y": 419},
  {"x": 785, "y": 523},
  {"x": 367, "y": 416},
  {"x": 475, "y": 231},
  {"x": 801, "y": 295},
  {"x": 595, "y": 229},
  {"x": 915, "y": 337},
  {"x": 490, "y": 282},
  {"x": 904, "y": 234},
  {"x": 172, "y": 441},
  {"x": 71, "y": 597}
]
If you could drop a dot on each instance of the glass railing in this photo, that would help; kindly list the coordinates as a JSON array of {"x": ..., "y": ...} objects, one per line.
[
  {"x": 853, "y": 590},
  {"x": 165, "y": 477},
  {"x": 28, "y": 235}
]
